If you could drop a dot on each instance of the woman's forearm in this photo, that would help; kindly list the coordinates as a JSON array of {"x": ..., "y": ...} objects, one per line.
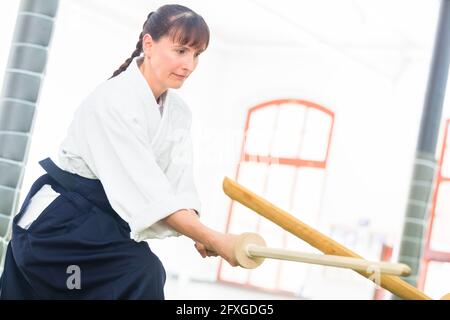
[{"x": 188, "y": 223}]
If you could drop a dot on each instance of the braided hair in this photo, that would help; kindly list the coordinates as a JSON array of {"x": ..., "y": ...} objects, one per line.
[{"x": 181, "y": 23}]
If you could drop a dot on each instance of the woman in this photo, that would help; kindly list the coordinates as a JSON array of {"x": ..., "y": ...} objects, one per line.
[{"x": 124, "y": 175}]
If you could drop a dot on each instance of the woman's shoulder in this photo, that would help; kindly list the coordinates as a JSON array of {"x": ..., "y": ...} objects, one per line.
[
  {"x": 110, "y": 94},
  {"x": 109, "y": 90}
]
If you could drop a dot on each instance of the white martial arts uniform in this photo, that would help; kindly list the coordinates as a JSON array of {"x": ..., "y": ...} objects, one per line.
[{"x": 142, "y": 155}]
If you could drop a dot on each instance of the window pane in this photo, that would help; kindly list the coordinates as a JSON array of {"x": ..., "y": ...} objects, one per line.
[
  {"x": 260, "y": 131},
  {"x": 252, "y": 175},
  {"x": 308, "y": 194},
  {"x": 438, "y": 282},
  {"x": 279, "y": 186},
  {"x": 288, "y": 132},
  {"x": 317, "y": 130}
]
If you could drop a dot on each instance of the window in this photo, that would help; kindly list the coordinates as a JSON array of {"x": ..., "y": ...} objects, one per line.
[{"x": 283, "y": 158}]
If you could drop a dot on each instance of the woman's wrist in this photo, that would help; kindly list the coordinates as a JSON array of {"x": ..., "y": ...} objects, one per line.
[
  {"x": 187, "y": 222},
  {"x": 211, "y": 239}
]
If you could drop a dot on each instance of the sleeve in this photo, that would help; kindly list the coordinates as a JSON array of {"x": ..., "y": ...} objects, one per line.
[
  {"x": 180, "y": 170},
  {"x": 182, "y": 162},
  {"x": 119, "y": 153}
]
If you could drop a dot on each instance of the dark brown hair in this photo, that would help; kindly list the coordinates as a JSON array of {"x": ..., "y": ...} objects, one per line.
[{"x": 181, "y": 23}]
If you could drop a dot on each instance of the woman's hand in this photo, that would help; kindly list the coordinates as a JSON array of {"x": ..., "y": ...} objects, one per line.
[
  {"x": 219, "y": 244},
  {"x": 208, "y": 241},
  {"x": 201, "y": 248}
]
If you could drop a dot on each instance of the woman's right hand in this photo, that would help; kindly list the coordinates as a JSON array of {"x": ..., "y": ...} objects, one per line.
[{"x": 221, "y": 244}]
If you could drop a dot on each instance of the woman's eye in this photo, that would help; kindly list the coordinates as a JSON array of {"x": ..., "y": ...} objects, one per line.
[{"x": 181, "y": 51}]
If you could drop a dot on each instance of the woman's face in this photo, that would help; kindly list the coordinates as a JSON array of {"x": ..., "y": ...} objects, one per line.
[{"x": 170, "y": 63}]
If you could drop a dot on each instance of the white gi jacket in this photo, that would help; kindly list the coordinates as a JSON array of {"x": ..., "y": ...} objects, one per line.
[{"x": 143, "y": 159}]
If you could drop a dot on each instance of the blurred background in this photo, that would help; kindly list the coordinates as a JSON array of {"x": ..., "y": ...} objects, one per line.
[{"x": 335, "y": 87}]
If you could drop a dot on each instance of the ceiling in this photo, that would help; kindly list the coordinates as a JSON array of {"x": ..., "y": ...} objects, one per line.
[
  {"x": 382, "y": 35},
  {"x": 351, "y": 24}
]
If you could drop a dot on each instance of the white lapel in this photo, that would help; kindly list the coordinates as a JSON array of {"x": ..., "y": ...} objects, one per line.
[
  {"x": 164, "y": 122},
  {"x": 135, "y": 79}
]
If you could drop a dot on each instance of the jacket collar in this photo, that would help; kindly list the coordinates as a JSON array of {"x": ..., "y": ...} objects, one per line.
[{"x": 135, "y": 79}]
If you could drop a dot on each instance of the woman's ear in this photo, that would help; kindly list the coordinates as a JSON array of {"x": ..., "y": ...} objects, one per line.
[{"x": 147, "y": 43}]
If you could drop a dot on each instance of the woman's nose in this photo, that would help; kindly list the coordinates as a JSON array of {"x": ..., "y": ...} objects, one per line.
[{"x": 189, "y": 64}]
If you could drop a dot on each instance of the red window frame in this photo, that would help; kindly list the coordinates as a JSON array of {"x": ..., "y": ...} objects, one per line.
[{"x": 296, "y": 162}]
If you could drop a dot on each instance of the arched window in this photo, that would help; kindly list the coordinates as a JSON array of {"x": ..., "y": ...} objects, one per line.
[{"x": 283, "y": 158}]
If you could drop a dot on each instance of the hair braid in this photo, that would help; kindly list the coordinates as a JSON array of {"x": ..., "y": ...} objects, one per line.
[{"x": 136, "y": 52}]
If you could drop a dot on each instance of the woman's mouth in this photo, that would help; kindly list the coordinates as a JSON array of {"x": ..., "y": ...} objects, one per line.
[{"x": 179, "y": 76}]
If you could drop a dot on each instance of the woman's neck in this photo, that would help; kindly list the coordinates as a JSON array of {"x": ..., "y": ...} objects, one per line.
[{"x": 149, "y": 77}]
